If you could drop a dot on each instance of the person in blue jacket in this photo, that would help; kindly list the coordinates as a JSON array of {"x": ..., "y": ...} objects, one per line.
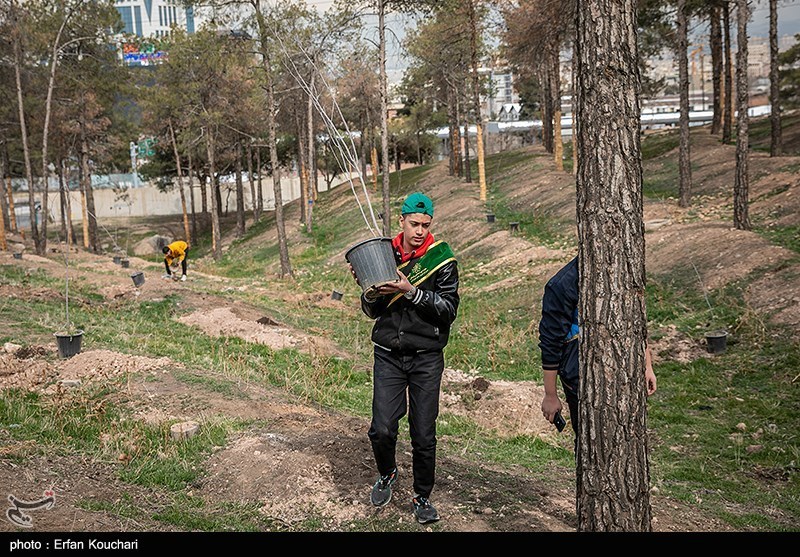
[{"x": 558, "y": 339}]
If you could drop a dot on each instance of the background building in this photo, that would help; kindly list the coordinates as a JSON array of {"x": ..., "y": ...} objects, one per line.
[{"x": 155, "y": 18}]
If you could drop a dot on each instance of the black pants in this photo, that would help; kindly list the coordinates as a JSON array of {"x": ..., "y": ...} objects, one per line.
[
  {"x": 421, "y": 375},
  {"x": 183, "y": 266}
]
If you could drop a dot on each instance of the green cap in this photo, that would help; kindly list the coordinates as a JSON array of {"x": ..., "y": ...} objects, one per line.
[{"x": 418, "y": 203}]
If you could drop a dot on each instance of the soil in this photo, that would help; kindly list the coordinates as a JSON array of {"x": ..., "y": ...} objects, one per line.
[{"x": 299, "y": 461}]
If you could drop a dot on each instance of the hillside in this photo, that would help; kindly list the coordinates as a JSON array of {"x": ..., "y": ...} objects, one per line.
[{"x": 278, "y": 374}]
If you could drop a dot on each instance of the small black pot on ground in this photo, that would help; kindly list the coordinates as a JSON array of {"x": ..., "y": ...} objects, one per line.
[
  {"x": 489, "y": 217},
  {"x": 336, "y": 295},
  {"x": 138, "y": 278},
  {"x": 69, "y": 344},
  {"x": 716, "y": 342}
]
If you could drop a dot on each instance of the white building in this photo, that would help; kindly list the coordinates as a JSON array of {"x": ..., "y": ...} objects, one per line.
[
  {"x": 155, "y": 18},
  {"x": 501, "y": 90}
]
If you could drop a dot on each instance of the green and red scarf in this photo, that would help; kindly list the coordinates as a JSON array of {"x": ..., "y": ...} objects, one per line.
[{"x": 432, "y": 256}]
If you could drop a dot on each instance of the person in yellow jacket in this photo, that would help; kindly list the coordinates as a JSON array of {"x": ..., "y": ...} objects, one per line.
[{"x": 175, "y": 253}]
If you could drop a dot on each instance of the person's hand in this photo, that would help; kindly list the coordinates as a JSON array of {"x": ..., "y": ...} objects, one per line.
[
  {"x": 353, "y": 272},
  {"x": 551, "y": 405},
  {"x": 649, "y": 374},
  {"x": 650, "y": 379},
  {"x": 401, "y": 286}
]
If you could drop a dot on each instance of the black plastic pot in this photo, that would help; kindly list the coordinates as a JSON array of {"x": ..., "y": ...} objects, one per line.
[
  {"x": 514, "y": 227},
  {"x": 125, "y": 263},
  {"x": 490, "y": 217},
  {"x": 138, "y": 278},
  {"x": 373, "y": 262},
  {"x": 716, "y": 342},
  {"x": 117, "y": 259},
  {"x": 69, "y": 344},
  {"x": 17, "y": 256},
  {"x": 336, "y": 295}
]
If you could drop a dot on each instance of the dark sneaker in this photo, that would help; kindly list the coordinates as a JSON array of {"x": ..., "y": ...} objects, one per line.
[
  {"x": 424, "y": 510},
  {"x": 382, "y": 490}
]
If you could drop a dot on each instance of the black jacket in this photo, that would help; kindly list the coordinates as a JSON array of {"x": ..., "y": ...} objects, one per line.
[
  {"x": 558, "y": 328},
  {"x": 421, "y": 324}
]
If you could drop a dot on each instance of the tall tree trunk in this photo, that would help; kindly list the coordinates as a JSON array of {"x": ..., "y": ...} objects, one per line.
[
  {"x": 457, "y": 134},
  {"x": 260, "y": 189},
  {"x": 311, "y": 164},
  {"x": 24, "y": 129},
  {"x": 67, "y": 230},
  {"x": 174, "y": 141},
  {"x": 727, "y": 111},
  {"x": 684, "y": 160},
  {"x": 558, "y": 143},
  {"x": 250, "y": 179},
  {"x": 574, "y": 104},
  {"x": 204, "y": 196},
  {"x": 3, "y": 243},
  {"x": 240, "y": 228},
  {"x": 467, "y": 166},
  {"x": 216, "y": 242},
  {"x": 301, "y": 168},
  {"x": 191, "y": 194},
  {"x": 613, "y": 473},
  {"x": 374, "y": 163},
  {"x": 6, "y": 176},
  {"x": 476, "y": 98},
  {"x": 217, "y": 191},
  {"x": 387, "y": 208},
  {"x": 451, "y": 168},
  {"x": 283, "y": 247},
  {"x": 63, "y": 202},
  {"x": 91, "y": 229},
  {"x": 776, "y": 143},
  {"x": 3, "y": 198},
  {"x": 741, "y": 188},
  {"x": 365, "y": 153},
  {"x": 82, "y": 170},
  {"x": 715, "y": 40},
  {"x": 547, "y": 110},
  {"x": 312, "y": 156}
]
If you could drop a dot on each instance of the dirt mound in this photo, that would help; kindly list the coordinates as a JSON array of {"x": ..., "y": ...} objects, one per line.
[
  {"x": 672, "y": 345},
  {"x": 28, "y": 293},
  {"x": 250, "y": 324},
  {"x": 35, "y": 373},
  {"x": 508, "y": 408},
  {"x": 722, "y": 254},
  {"x": 511, "y": 252},
  {"x": 224, "y": 322},
  {"x": 778, "y": 293},
  {"x": 292, "y": 483},
  {"x": 26, "y": 374}
]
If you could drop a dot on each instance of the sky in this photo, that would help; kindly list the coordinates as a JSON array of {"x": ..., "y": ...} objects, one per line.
[{"x": 396, "y": 62}]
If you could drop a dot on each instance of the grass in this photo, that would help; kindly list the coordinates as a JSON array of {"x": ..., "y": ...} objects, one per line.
[
  {"x": 784, "y": 236},
  {"x": 658, "y": 144},
  {"x": 761, "y": 133},
  {"x": 700, "y": 455}
]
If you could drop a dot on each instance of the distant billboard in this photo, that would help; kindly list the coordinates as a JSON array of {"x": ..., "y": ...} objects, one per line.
[{"x": 142, "y": 55}]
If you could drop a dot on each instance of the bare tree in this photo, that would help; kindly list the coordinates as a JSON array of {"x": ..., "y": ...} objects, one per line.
[
  {"x": 613, "y": 472},
  {"x": 727, "y": 110},
  {"x": 715, "y": 43},
  {"x": 685, "y": 163},
  {"x": 776, "y": 143},
  {"x": 741, "y": 218}
]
